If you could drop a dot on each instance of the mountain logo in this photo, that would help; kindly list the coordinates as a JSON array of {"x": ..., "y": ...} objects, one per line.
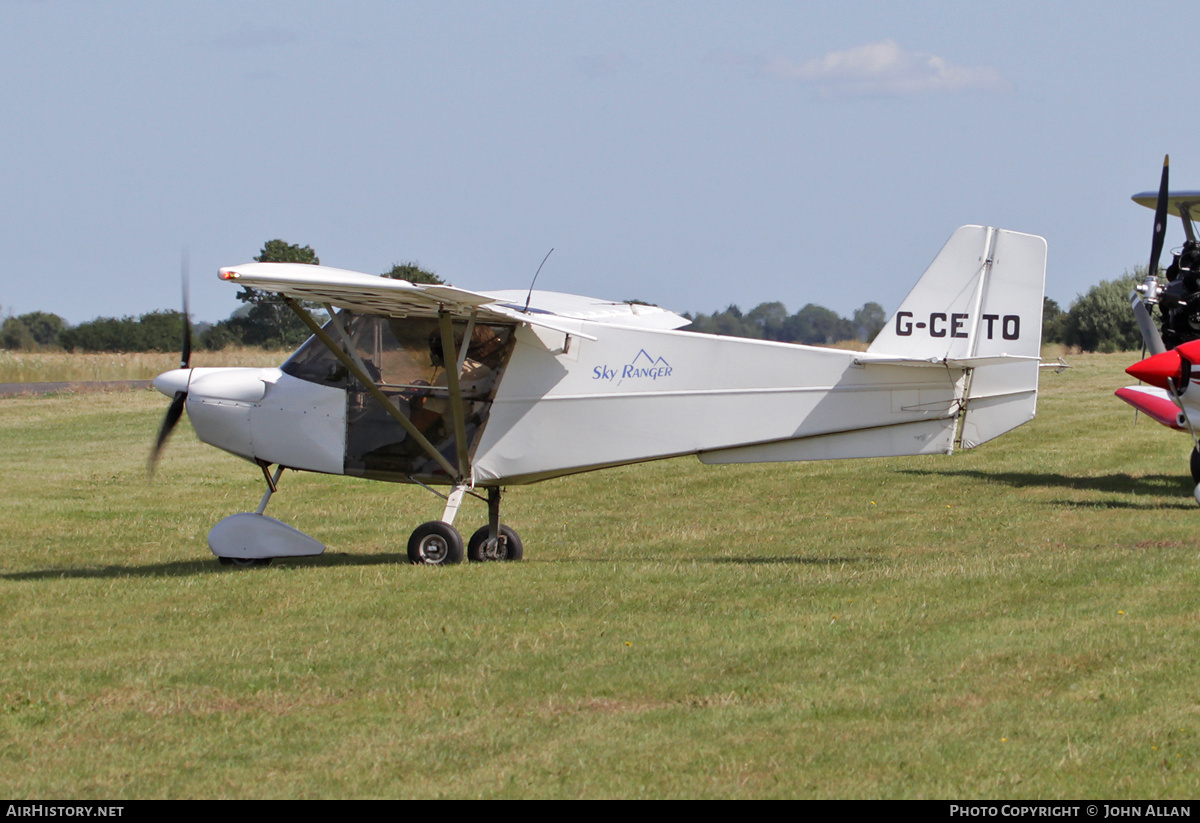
[{"x": 643, "y": 366}]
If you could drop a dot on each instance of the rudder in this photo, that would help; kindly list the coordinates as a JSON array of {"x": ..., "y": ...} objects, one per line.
[{"x": 980, "y": 298}]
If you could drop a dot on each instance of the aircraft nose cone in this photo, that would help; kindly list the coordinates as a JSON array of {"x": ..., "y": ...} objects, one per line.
[
  {"x": 1157, "y": 369},
  {"x": 175, "y": 380}
]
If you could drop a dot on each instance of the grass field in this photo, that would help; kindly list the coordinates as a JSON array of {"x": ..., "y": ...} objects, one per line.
[
  {"x": 54, "y": 367},
  {"x": 1015, "y": 621}
]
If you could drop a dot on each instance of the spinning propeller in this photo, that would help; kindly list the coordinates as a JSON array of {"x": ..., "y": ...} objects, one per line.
[{"x": 175, "y": 410}]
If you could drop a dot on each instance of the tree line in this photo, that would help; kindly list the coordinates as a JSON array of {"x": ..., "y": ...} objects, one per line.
[
  {"x": 813, "y": 324},
  {"x": 1099, "y": 320},
  {"x": 262, "y": 320}
]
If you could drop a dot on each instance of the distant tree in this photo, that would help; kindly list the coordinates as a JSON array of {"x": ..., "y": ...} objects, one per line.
[
  {"x": 153, "y": 331},
  {"x": 269, "y": 322},
  {"x": 1054, "y": 321},
  {"x": 413, "y": 273},
  {"x": 220, "y": 335},
  {"x": 279, "y": 251},
  {"x": 15, "y": 336},
  {"x": 103, "y": 334},
  {"x": 44, "y": 327},
  {"x": 161, "y": 330},
  {"x": 815, "y": 324},
  {"x": 731, "y": 322},
  {"x": 869, "y": 321},
  {"x": 770, "y": 319},
  {"x": 1101, "y": 319},
  {"x": 35, "y": 330}
]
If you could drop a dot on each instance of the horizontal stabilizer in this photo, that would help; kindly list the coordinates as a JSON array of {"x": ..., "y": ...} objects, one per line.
[{"x": 947, "y": 362}]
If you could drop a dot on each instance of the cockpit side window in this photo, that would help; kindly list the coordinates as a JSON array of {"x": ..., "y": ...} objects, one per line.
[
  {"x": 405, "y": 358},
  {"x": 315, "y": 363}
]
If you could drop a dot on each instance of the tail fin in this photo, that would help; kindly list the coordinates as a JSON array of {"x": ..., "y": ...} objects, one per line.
[{"x": 979, "y": 304}]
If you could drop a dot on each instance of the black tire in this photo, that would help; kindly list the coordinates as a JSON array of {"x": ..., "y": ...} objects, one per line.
[
  {"x": 1195, "y": 466},
  {"x": 245, "y": 562},
  {"x": 435, "y": 544},
  {"x": 511, "y": 550}
]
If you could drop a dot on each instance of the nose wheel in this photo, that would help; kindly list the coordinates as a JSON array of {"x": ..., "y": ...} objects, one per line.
[{"x": 245, "y": 562}]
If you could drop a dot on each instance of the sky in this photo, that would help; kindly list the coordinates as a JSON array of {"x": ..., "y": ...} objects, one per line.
[{"x": 690, "y": 154}]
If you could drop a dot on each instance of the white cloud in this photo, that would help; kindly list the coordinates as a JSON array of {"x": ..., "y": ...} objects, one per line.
[{"x": 885, "y": 68}]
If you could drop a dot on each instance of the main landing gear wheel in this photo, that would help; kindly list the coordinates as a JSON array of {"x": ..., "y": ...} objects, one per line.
[
  {"x": 508, "y": 547},
  {"x": 435, "y": 544}
]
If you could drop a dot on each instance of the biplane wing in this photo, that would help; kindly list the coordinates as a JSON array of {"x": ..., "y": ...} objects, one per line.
[
  {"x": 1179, "y": 203},
  {"x": 1157, "y": 404}
]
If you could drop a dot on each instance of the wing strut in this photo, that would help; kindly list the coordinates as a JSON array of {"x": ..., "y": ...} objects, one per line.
[
  {"x": 371, "y": 387},
  {"x": 451, "y": 365}
]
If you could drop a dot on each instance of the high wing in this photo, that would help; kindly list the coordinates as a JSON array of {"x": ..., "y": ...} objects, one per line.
[{"x": 370, "y": 294}]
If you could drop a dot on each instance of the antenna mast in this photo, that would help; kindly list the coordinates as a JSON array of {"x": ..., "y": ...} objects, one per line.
[{"x": 529, "y": 296}]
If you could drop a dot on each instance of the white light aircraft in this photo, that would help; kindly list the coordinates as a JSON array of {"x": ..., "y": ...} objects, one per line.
[{"x": 478, "y": 391}]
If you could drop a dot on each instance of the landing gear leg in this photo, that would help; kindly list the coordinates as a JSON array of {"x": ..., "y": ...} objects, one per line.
[
  {"x": 272, "y": 487},
  {"x": 495, "y": 541}
]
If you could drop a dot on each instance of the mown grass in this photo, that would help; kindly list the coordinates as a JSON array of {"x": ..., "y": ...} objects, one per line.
[{"x": 1014, "y": 621}]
